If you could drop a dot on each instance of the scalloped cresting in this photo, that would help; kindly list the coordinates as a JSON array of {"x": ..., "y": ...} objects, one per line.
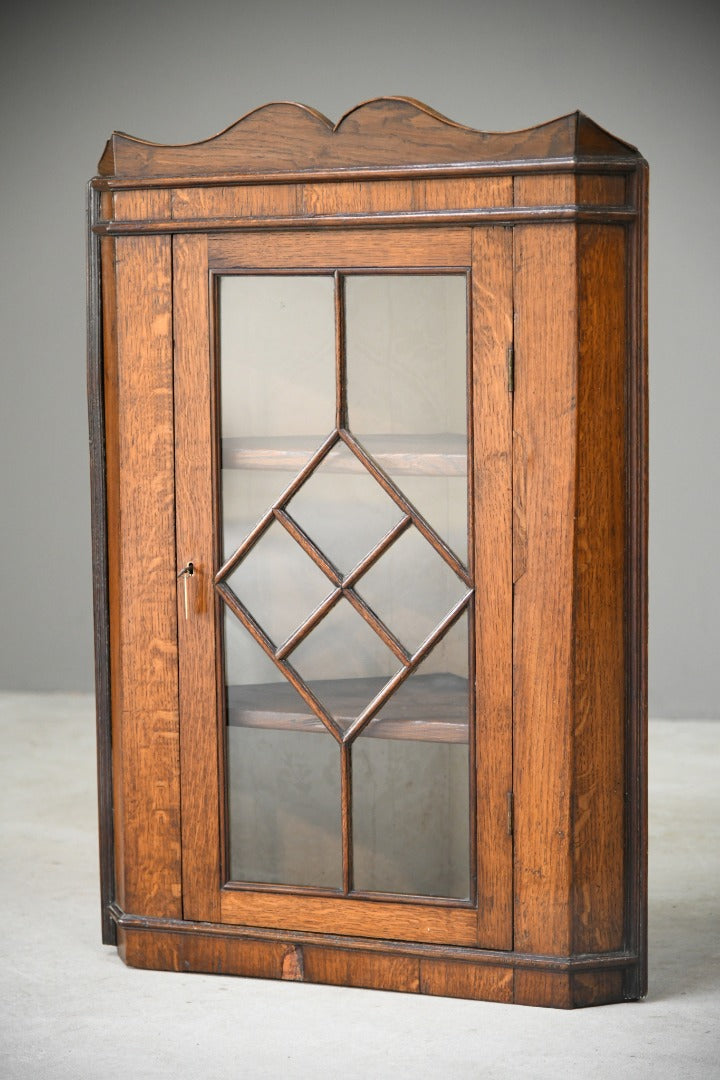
[{"x": 384, "y": 134}]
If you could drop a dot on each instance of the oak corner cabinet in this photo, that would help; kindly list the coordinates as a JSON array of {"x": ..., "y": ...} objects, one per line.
[{"x": 368, "y": 418}]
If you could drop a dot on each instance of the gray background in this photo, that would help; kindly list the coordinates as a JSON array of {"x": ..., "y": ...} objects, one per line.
[{"x": 178, "y": 72}]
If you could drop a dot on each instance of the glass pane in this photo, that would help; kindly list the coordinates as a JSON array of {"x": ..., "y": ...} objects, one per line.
[
  {"x": 344, "y": 663},
  {"x": 283, "y": 776},
  {"x": 278, "y": 583},
  {"x": 277, "y": 388},
  {"x": 407, "y": 388},
  {"x": 410, "y": 784},
  {"x": 343, "y": 509},
  {"x": 411, "y": 588},
  {"x": 442, "y": 501}
]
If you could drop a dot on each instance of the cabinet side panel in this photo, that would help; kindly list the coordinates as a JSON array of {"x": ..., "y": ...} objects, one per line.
[
  {"x": 599, "y": 676},
  {"x": 544, "y": 416},
  {"x": 144, "y": 655},
  {"x": 196, "y": 633},
  {"x": 492, "y": 526}
]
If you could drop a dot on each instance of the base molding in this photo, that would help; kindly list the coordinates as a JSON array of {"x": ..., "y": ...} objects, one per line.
[{"x": 486, "y": 975}]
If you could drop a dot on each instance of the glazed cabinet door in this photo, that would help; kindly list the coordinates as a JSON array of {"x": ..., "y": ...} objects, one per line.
[{"x": 343, "y": 493}]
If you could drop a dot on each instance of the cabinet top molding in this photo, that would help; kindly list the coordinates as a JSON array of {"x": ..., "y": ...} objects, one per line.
[{"x": 386, "y": 135}]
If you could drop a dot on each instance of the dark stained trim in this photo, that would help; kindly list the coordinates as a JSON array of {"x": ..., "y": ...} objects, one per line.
[
  {"x": 101, "y": 611},
  {"x": 608, "y": 215},
  {"x": 480, "y": 957},
  {"x": 636, "y": 603},
  {"x": 416, "y": 172}
]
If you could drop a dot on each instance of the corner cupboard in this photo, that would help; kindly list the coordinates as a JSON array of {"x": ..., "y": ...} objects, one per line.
[{"x": 368, "y": 422}]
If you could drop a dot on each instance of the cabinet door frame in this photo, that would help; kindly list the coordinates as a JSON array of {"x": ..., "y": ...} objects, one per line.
[{"x": 486, "y": 252}]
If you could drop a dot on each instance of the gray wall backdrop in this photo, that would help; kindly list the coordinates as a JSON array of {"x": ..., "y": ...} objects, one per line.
[{"x": 177, "y": 72}]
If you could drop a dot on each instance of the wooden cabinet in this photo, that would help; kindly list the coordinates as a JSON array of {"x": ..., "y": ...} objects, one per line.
[{"x": 368, "y": 422}]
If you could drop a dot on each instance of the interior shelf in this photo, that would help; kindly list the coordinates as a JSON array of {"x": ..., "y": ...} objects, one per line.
[
  {"x": 423, "y": 455},
  {"x": 427, "y": 708}
]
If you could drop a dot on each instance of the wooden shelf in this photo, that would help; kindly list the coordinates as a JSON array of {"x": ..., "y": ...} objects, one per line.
[
  {"x": 428, "y": 708},
  {"x": 422, "y": 455}
]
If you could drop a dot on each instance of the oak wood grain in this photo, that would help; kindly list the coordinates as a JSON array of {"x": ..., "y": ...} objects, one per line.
[
  {"x": 600, "y": 190},
  {"x": 402, "y": 921},
  {"x": 451, "y": 979},
  {"x": 167, "y": 951},
  {"x": 383, "y": 969},
  {"x": 596, "y": 988},
  {"x": 194, "y": 443},
  {"x": 545, "y": 417},
  {"x": 142, "y": 573},
  {"x": 491, "y": 503},
  {"x": 599, "y": 618},
  {"x": 241, "y": 201},
  {"x": 385, "y": 132},
  {"x": 342, "y": 968},
  {"x": 462, "y": 193},
  {"x": 142, "y": 205},
  {"x": 411, "y": 247},
  {"x": 359, "y": 197},
  {"x": 563, "y": 189},
  {"x": 557, "y": 190},
  {"x": 551, "y": 989}
]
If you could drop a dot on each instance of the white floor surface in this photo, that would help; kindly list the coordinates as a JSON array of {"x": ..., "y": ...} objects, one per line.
[{"x": 69, "y": 1008}]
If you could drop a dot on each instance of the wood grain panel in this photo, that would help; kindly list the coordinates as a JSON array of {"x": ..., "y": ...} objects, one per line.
[
  {"x": 462, "y": 193},
  {"x": 446, "y": 978},
  {"x": 565, "y": 188},
  {"x": 385, "y": 132},
  {"x": 364, "y": 918},
  {"x": 342, "y": 248},
  {"x": 360, "y": 197},
  {"x": 545, "y": 417},
  {"x": 599, "y": 667},
  {"x": 196, "y": 634},
  {"x": 600, "y": 190},
  {"x": 557, "y": 190},
  {"x": 550, "y": 989},
  {"x": 344, "y": 968},
  {"x": 492, "y": 528},
  {"x": 142, "y": 575},
  {"x": 245, "y": 200},
  {"x": 168, "y": 951},
  {"x": 596, "y": 988},
  {"x": 140, "y": 205}
]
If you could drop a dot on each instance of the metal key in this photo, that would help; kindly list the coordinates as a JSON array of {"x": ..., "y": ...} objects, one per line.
[{"x": 187, "y": 572}]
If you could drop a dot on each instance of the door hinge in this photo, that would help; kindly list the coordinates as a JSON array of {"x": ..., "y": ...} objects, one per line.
[
  {"x": 511, "y": 368},
  {"x": 510, "y": 813}
]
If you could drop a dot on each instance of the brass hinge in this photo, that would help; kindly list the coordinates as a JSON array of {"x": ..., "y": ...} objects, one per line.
[
  {"x": 511, "y": 368},
  {"x": 510, "y": 812}
]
